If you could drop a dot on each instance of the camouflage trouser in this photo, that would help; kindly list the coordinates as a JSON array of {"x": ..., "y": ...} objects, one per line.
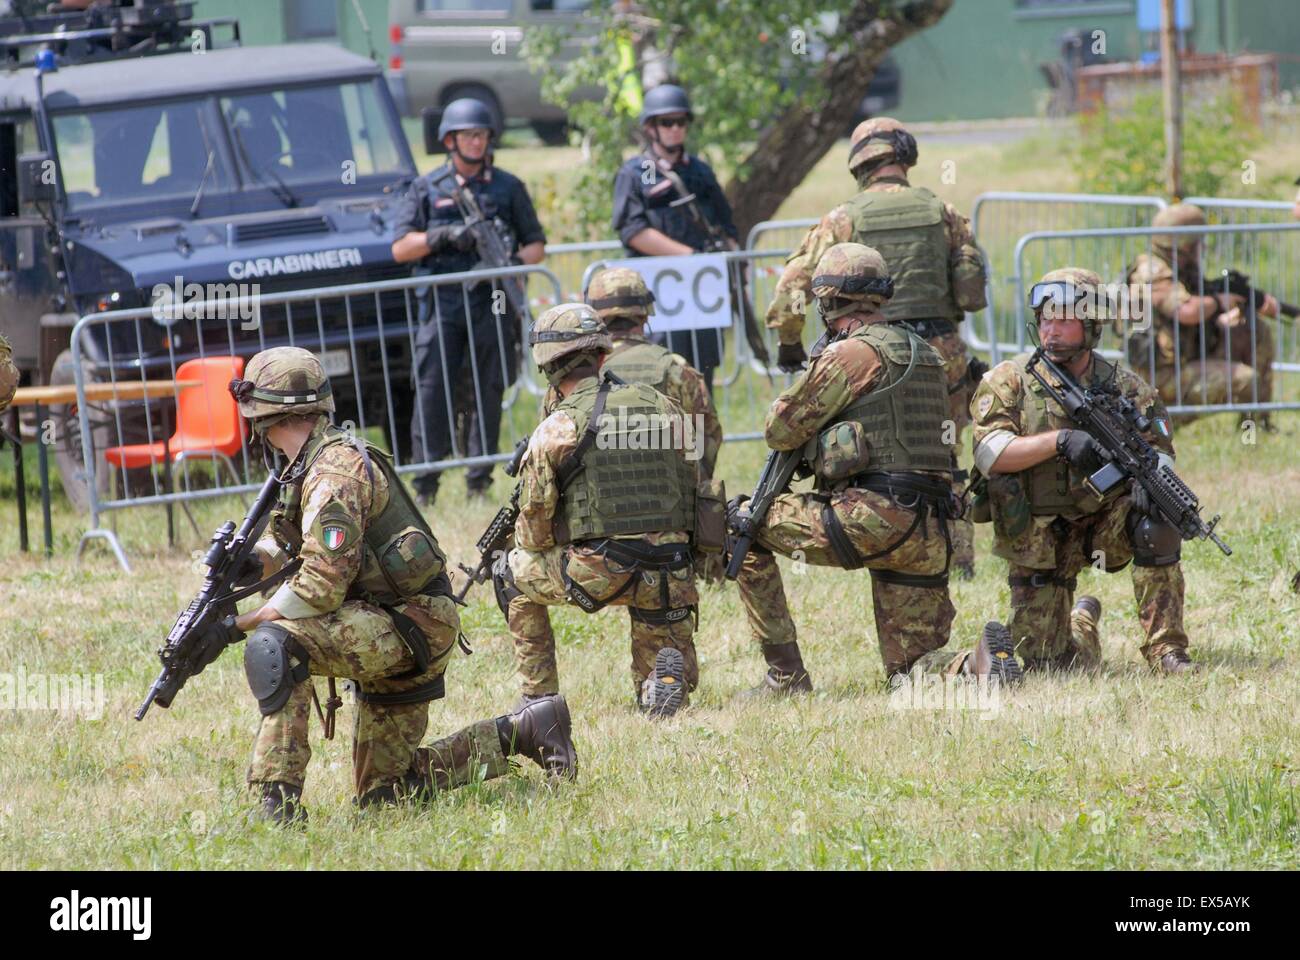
[
  {"x": 956, "y": 359},
  {"x": 1043, "y": 625},
  {"x": 910, "y": 621},
  {"x": 538, "y": 575},
  {"x": 1241, "y": 372},
  {"x": 358, "y": 642}
]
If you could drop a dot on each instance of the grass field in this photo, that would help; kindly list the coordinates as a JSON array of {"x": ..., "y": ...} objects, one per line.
[{"x": 1122, "y": 770}]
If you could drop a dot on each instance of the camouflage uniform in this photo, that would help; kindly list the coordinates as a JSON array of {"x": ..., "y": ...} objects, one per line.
[
  {"x": 1224, "y": 369},
  {"x": 337, "y": 621},
  {"x": 911, "y": 544},
  {"x": 1047, "y": 550},
  {"x": 966, "y": 281},
  {"x": 8, "y": 375},
  {"x": 547, "y": 567}
]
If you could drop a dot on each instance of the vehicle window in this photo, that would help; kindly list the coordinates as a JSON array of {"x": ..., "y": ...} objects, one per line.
[
  {"x": 467, "y": 6},
  {"x": 312, "y": 133},
  {"x": 17, "y": 136},
  {"x": 138, "y": 153}
]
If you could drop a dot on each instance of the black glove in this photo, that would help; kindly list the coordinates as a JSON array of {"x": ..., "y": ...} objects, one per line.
[
  {"x": 790, "y": 357},
  {"x": 220, "y": 634},
  {"x": 250, "y": 572},
  {"x": 452, "y": 236},
  {"x": 1080, "y": 449},
  {"x": 733, "y": 512},
  {"x": 1141, "y": 500}
]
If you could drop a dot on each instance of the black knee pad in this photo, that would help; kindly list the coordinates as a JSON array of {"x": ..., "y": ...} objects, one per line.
[
  {"x": 1155, "y": 543},
  {"x": 266, "y": 664},
  {"x": 503, "y": 584}
]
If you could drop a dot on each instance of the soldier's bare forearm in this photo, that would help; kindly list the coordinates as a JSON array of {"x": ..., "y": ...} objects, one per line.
[
  {"x": 1025, "y": 452},
  {"x": 410, "y": 247},
  {"x": 654, "y": 243}
]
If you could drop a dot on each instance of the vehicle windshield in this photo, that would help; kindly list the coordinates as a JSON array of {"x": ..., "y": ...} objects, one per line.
[{"x": 330, "y": 134}]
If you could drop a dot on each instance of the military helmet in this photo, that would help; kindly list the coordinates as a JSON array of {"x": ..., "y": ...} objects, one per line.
[
  {"x": 620, "y": 292},
  {"x": 466, "y": 113},
  {"x": 878, "y": 141},
  {"x": 1178, "y": 215},
  {"x": 567, "y": 330},
  {"x": 851, "y": 277},
  {"x": 665, "y": 99},
  {"x": 1076, "y": 293},
  {"x": 282, "y": 382}
]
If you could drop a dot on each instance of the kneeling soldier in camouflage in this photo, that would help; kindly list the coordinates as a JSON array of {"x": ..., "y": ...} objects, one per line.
[
  {"x": 369, "y": 601},
  {"x": 606, "y": 515},
  {"x": 870, "y": 411},
  {"x": 1046, "y": 523}
]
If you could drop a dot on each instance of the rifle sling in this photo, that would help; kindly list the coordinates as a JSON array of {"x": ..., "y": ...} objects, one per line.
[{"x": 569, "y": 467}]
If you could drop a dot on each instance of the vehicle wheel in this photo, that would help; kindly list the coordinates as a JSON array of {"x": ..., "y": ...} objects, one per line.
[
  {"x": 553, "y": 133},
  {"x": 476, "y": 91},
  {"x": 68, "y": 452}
]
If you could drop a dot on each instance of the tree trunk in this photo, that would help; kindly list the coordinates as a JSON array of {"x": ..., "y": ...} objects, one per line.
[{"x": 788, "y": 150}]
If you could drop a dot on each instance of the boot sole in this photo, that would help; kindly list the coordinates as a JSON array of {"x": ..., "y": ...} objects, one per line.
[
  {"x": 668, "y": 683},
  {"x": 1005, "y": 667}
]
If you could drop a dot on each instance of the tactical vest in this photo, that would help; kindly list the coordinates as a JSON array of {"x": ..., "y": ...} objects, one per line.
[
  {"x": 402, "y": 557},
  {"x": 903, "y": 417},
  {"x": 630, "y": 480},
  {"x": 637, "y": 361},
  {"x": 1052, "y": 487},
  {"x": 907, "y": 228}
]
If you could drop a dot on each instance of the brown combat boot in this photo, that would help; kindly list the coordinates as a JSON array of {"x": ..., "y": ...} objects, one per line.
[
  {"x": 995, "y": 656},
  {"x": 785, "y": 672},
  {"x": 1177, "y": 661},
  {"x": 664, "y": 692},
  {"x": 542, "y": 732},
  {"x": 281, "y": 804}
]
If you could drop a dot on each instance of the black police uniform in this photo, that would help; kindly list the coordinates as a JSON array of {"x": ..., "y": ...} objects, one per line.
[
  {"x": 443, "y": 343},
  {"x": 639, "y": 205}
]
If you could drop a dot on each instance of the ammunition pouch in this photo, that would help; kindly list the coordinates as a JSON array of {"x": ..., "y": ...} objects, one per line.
[
  {"x": 270, "y": 674},
  {"x": 710, "y": 516},
  {"x": 839, "y": 452}
]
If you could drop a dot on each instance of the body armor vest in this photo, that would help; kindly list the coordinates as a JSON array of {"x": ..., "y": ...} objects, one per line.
[
  {"x": 402, "y": 558},
  {"x": 1053, "y": 487},
  {"x": 635, "y": 477},
  {"x": 903, "y": 417},
  {"x": 638, "y": 361},
  {"x": 907, "y": 228}
]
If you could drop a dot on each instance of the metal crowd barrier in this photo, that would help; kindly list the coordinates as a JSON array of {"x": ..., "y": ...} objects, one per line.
[
  {"x": 368, "y": 338},
  {"x": 569, "y": 262},
  {"x": 1000, "y": 218},
  {"x": 1269, "y": 253}
]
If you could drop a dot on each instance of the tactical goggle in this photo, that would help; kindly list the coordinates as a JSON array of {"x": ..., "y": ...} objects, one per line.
[
  {"x": 606, "y": 303},
  {"x": 245, "y": 390},
  {"x": 904, "y": 145},
  {"x": 1063, "y": 297},
  {"x": 848, "y": 286},
  {"x": 563, "y": 336}
]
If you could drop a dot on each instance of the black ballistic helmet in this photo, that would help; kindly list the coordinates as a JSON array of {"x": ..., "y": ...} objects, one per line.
[
  {"x": 466, "y": 114},
  {"x": 665, "y": 99}
]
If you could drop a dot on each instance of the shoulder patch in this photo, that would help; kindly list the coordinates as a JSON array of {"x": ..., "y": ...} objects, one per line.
[
  {"x": 984, "y": 405},
  {"x": 335, "y": 529}
]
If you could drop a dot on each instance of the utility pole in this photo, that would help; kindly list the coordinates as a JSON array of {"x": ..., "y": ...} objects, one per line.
[{"x": 1173, "y": 98}]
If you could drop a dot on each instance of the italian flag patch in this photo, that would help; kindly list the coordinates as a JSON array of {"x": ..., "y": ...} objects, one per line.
[
  {"x": 1162, "y": 426},
  {"x": 333, "y": 536}
]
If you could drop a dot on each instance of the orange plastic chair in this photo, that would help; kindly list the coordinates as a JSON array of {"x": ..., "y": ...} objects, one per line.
[{"x": 208, "y": 425}]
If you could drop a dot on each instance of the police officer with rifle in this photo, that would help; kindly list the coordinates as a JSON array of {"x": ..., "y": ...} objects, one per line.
[{"x": 468, "y": 214}]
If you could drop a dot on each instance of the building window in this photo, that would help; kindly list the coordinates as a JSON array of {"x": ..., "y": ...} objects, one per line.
[{"x": 310, "y": 19}]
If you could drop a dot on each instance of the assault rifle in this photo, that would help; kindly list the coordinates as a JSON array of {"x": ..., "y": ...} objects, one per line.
[
  {"x": 492, "y": 249},
  {"x": 207, "y": 625},
  {"x": 1238, "y": 284},
  {"x": 496, "y": 538},
  {"x": 775, "y": 478},
  {"x": 1117, "y": 425}
]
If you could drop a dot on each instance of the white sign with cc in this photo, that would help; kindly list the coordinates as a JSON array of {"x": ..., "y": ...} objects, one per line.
[{"x": 691, "y": 292}]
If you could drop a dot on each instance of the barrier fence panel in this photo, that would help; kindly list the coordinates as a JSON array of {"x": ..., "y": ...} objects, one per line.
[
  {"x": 1220, "y": 359},
  {"x": 1000, "y": 218},
  {"x": 569, "y": 262},
  {"x": 419, "y": 365}
]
